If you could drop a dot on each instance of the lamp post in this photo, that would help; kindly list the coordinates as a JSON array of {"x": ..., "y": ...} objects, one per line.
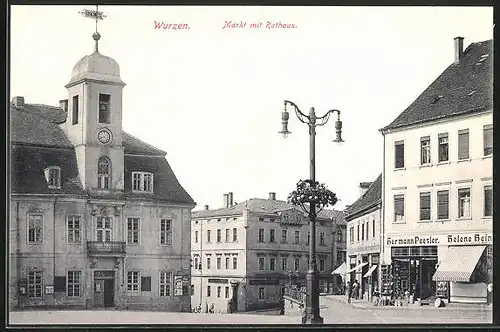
[{"x": 312, "y": 315}]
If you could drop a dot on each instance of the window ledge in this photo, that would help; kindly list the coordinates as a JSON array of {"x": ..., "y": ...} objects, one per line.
[
  {"x": 487, "y": 217},
  {"x": 464, "y": 219},
  {"x": 488, "y": 156},
  {"x": 54, "y": 187},
  {"x": 139, "y": 191},
  {"x": 399, "y": 169},
  {"x": 425, "y": 165},
  {"x": 463, "y": 160},
  {"x": 443, "y": 220},
  {"x": 398, "y": 222},
  {"x": 443, "y": 163},
  {"x": 425, "y": 221}
]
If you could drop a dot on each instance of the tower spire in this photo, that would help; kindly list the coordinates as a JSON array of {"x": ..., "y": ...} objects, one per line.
[{"x": 96, "y": 15}]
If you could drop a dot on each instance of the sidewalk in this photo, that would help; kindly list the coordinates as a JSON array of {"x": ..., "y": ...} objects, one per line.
[{"x": 364, "y": 304}]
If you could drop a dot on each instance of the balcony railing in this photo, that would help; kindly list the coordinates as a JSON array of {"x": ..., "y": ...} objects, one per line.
[{"x": 95, "y": 248}]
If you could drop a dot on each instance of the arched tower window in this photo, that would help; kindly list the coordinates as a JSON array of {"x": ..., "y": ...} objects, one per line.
[{"x": 103, "y": 173}]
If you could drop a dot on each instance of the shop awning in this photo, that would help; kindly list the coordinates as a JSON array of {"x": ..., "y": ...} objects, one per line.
[
  {"x": 340, "y": 270},
  {"x": 459, "y": 264},
  {"x": 357, "y": 267},
  {"x": 370, "y": 271}
]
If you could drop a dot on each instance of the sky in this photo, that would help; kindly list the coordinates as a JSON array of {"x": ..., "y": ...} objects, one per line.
[{"x": 212, "y": 98}]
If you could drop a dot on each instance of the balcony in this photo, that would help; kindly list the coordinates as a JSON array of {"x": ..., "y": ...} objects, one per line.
[{"x": 109, "y": 249}]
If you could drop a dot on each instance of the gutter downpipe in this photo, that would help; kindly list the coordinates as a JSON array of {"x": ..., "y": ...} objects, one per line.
[
  {"x": 18, "y": 252},
  {"x": 54, "y": 246},
  {"x": 382, "y": 210}
]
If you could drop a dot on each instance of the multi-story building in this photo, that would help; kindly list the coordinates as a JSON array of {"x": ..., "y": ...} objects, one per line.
[
  {"x": 364, "y": 245},
  {"x": 437, "y": 183},
  {"x": 250, "y": 251},
  {"x": 97, "y": 217}
]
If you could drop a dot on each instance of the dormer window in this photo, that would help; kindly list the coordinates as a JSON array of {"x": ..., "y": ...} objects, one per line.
[
  {"x": 103, "y": 173},
  {"x": 142, "y": 181},
  {"x": 104, "y": 109},
  {"x": 53, "y": 177}
]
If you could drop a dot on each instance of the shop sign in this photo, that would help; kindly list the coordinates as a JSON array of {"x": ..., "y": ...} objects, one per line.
[
  {"x": 444, "y": 239},
  {"x": 177, "y": 285}
]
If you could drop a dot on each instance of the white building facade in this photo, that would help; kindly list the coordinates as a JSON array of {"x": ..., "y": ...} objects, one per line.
[{"x": 437, "y": 184}]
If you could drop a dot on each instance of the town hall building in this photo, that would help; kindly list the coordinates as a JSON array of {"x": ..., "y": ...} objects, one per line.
[{"x": 97, "y": 217}]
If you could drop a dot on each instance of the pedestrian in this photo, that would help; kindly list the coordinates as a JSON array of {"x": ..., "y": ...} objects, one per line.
[
  {"x": 282, "y": 307},
  {"x": 356, "y": 289},
  {"x": 349, "y": 291}
]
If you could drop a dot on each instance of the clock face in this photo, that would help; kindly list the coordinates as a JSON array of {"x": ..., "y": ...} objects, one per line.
[{"x": 104, "y": 136}]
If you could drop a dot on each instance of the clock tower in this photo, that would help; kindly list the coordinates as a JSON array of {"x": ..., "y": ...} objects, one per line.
[{"x": 94, "y": 121}]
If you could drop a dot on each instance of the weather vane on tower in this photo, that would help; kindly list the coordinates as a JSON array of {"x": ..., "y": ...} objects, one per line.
[{"x": 96, "y": 15}]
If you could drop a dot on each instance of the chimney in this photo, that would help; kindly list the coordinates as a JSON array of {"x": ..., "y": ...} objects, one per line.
[
  {"x": 459, "y": 49},
  {"x": 225, "y": 200},
  {"x": 272, "y": 196},
  {"x": 63, "y": 104},
  {"x": 363, "y": 187},
  {"x": 206, "y": 207},
  {"x": 230, "y": 201},
  {"x": 18, "y": 102}
]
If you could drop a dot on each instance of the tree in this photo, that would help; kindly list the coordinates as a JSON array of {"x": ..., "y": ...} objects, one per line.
[{"x": 309, "y": 193}]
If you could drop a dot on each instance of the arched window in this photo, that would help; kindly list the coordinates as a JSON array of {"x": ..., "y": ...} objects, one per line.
[{"x": 103, "y": 173}]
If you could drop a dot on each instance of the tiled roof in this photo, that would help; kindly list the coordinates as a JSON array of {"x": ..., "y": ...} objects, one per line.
[
  {"x": 371, "y": 197},
  {"x": 39, "y": 142},
  {"x": 263, "y": 206},
  {"x": 466, "y": 87}
]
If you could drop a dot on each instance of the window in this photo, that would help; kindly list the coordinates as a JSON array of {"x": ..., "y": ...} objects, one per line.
[
  {"x": 262, "y": 263},
  {"x": 272, "y": 236},
  {"x": 73, "y": 283},
  {"x": 308, "y": 237},
  {"x": 208, "y": 263},
  {"x": 235, "y": 263},
  {"x": 74, "y": 116},
  {"x": 53, "y": 177},
  {"x": 166, "y": 231},
  {"x": 464, "y": 203},
  {"x": 35, "y": 285},
  {"x": 227, "y": 234},
  {"x": 362, "y": 231},
  {"x": 74, "y": 229},
  {"x": 283, "y": 235},
  {"x": 488, "y": 201},
  {"x": 272, "y": 263},
  {"x": 219, "y": 235},
  {"x": 133, "y": 230},
  {"x": 463, "y": 144},
  {"x": 425, "y": 206},
  {"x": 103, "y": 173},
  {"x": 261, "y": 293},
  {"x": 443, "y": 147},
  {"x": 133, "y": 282},
  {"x": 339, "y": 235},
  {"x": 196, "y": 262},
  {"x": 208, "y": 291},
  {"x": 195, "y": 236},
  {"x": 103, "y": 229},
  {"x": 488, "y": 140},
  {"x": 367, "y": 231},
  {"x": 321, "y": 264},
  {"x": 443, "y": 201},
  {"x": 399, "y": 154},
  {"x": 192, "y": 289},
  {"x": 425, "y": 150},
  {"x": 358, "y": 233},
  {"x": 399, "y": 208},
  {"x": 226, "y": 292},
  {"x": 297, "y": 237},
  {"x": 235, "y": 235},
  {"x": 373, "y": 228},
  {"x": 227, "y": 263},
  {"x": 321, "y": 239},
  {"x": 283, "y": 263},
  {"x": 219, "y": 263},
  {"x": 104, "y": 109},
  {"x": 165, "y": 284},
  {"x": 351, "y": 234},
  {"x": 142, "y": 181},
  {"x": 296, "y": 263},
  {"x": 209, "y": 238},
  {"x": 261, "y": 235}
]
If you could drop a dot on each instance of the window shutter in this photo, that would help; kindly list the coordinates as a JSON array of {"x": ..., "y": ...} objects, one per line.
[
  {"x": 488, "y": 139},
  {"x": 146, "y": 284},
  {"x": 60, "y": 284},
  {"x": 443, "y": 204},
  {"x": 463, "y": 144},
  {"x": 399, "y": 204}
]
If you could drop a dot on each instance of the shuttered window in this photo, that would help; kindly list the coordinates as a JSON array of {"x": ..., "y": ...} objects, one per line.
[
  {"x": 488, "y": 201},
  {"x": 399, "y": 154},
  {"x": 488, "y": 140},
  {"x": 425, "y": 206},
  {"x": 463, "y": 144},
  {"x": 443, "y": 204},
  {"x": 399, "y": 208}
]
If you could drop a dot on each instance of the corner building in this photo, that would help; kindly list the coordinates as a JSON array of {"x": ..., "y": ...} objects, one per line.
[
  {"x": 97, "y": 217},
  {"x": 437, "y": 184}
]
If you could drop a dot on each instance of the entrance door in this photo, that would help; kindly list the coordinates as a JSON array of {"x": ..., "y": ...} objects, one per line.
[
  {"x": 109, "y": 293},
  {"x": 428, "y": 285}
]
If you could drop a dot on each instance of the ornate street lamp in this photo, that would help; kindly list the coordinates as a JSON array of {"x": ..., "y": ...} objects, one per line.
[{"x": 311, "y": 195}]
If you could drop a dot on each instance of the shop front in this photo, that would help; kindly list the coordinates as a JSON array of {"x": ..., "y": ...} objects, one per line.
[{"x": 371, "y": 276}]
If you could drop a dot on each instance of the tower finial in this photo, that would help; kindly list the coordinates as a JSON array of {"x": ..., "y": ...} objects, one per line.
[{"x": 96, "y": 15}]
